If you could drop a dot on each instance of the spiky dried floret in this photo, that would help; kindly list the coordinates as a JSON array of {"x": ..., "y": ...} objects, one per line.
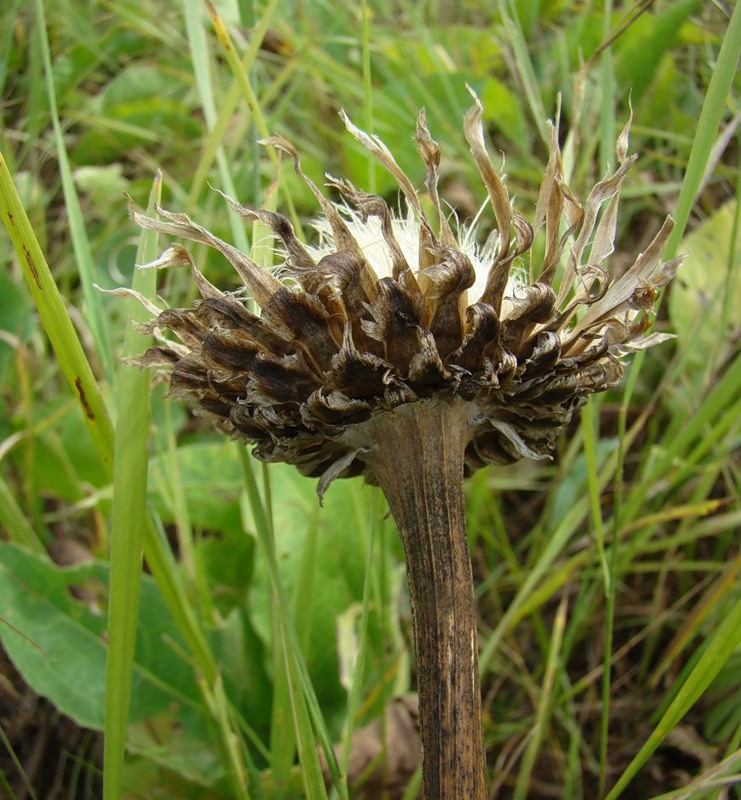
[{"x": 385, "y": 311}]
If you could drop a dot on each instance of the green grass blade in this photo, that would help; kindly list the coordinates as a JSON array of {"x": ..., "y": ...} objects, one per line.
[
  {"x": 515, "y": 37},
  {"x": 241, "y": 74},
  {"x": 721, "y": 82},
  {"x": 365, "y": 34},
  {"x": 682, "y": 436},
  {"x": 295, "y": 676},
  {"x": 218, "y": 122},
  {"x": 607, "y": 95},
  {"x": 546, "y": 703},
  {"x": 240, "y": 71},
  {"x": 710, "y": 784},
  {"x": 219, "y": 707},
  {"x": 15, "y": 522},
  {"x": 200, "y": 61},
  {"x": 83, "y": 255},
  {"x": 282, "y": 742},
  {"x": 724, "y": 641},
  {"x": 55, "y": 318},
  {"x": 129, "y": 515},
  {"x": 588, "y": 425},
  {"x": 356, "y": 686},
  {"x": 164, "y": 570},
  {"x": 556, "y": 542},
  {"x": 9, "y": 793}
]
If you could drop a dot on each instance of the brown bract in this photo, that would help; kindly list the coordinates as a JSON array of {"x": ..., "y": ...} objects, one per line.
[{"x": 386, "y": 312}]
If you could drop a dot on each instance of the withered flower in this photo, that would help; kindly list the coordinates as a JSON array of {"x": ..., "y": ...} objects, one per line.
[{"x": 408, "y": 353}]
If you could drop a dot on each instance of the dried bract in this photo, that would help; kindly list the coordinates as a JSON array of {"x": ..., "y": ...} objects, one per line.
[{"x": 386, "y": 311}]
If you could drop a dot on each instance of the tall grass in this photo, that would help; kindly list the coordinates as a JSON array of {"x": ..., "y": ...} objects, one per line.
[{"x": 270, "y": 628}]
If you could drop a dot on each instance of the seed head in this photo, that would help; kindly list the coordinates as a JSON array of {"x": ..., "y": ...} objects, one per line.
[{"x": 388, "y": 311}]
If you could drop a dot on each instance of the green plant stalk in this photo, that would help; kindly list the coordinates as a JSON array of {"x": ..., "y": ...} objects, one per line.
[
  {"x": 55, "y": 319},
  {"x": 588, "y": 425},
  {"x": 612, "y": 586},
  {"x": 128, "y": 522}
]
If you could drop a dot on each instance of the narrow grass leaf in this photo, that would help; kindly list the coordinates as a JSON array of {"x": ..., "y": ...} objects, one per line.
[
  {"x": 218, "y": 121},
  {"x": 164, "y": 570},
  {"x": 55, "y": 318},
  {"x": 683, "y": 433},
  {"x": 711, "y": 784},
  {"x": 4, "y": 785},
  {"x": 724, "y": 641},
  {"x": 556, "y": 542},
  {"x": 218, "y": 705},
  {"x": 690, "y": 628},
  {"x": 83, "y": 254},
  {"x": 721, "y": 81},
  {"x": 546, "y": 703},
  {"x": 15, "y": 522},
  {"x": 607, "y": 94},
  {"x": 200, "y": 61},
  {"x": 590, "y": 454},
  {"x": 525, "y": 71},
  {"x": 297, "y": 680},
  {"x": 128, "y": 520},
  {"x": 240, "y": 73}
]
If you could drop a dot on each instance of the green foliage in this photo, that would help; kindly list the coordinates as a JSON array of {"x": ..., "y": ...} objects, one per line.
[
  {"x": 58, "y": 613},
  {"x": 608, "y": 579}
]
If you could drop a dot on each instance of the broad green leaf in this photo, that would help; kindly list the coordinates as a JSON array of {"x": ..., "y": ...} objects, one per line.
[
  {"x": 177, "y": 742},
  {"x": 643, "y": 46},
  {"x": 103, "y": 186},
  {"x": 64, "y": 457},
  {"x": 211, "y": 479},
  {"x": 243, "y": 659},
  {"x": 703, "y": 293},
  {"x": 227, "y": 559},
  {"x": 340, "y": 566},
  {"x": 56, "y": 638}
]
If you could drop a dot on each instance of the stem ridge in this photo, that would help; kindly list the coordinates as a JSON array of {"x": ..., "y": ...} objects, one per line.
[{"x": 418, "y": 461}]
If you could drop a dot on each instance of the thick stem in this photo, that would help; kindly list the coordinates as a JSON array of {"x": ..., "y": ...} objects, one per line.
[{"x": 417, "y": 459}]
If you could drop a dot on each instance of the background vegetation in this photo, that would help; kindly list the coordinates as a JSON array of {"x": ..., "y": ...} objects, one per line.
[{"x": 608, "y": 578}]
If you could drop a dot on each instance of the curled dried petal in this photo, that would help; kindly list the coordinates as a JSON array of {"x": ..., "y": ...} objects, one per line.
[{"x": 381, "y": 317}]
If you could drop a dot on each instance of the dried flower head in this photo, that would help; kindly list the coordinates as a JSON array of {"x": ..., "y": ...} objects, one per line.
[{"x": 388, "y": 311}]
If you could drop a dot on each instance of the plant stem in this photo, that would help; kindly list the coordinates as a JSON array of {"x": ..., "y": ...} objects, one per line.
[{"x": 417, "y": 459}]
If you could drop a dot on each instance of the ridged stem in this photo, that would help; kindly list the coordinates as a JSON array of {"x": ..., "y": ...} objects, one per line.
[{"x": 417, "y": 458}]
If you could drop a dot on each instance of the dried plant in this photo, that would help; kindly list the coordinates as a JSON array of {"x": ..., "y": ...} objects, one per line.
[{"x": 412, "y": 355}]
